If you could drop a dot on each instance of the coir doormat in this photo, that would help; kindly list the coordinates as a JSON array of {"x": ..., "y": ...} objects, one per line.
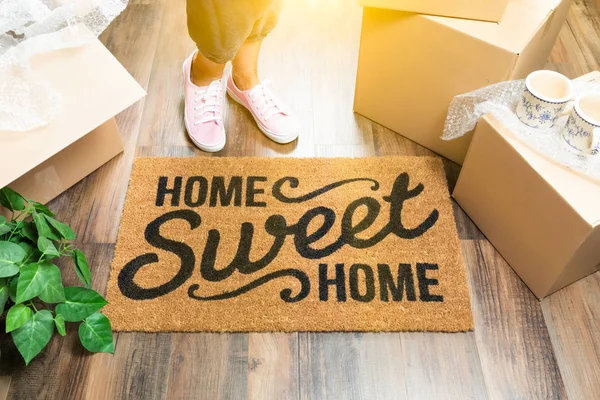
[{"x": 263, "y": 244}]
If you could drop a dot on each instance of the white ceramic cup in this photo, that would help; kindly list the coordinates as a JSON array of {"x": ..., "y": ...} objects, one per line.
[
  {"x": 545, "y": 99},
  {"x": 582, "y": 132}
]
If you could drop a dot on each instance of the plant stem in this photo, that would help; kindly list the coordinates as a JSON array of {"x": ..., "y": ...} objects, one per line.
[
  {"x": 13, "y": 218},
  {"x": 33, "y": 305}
]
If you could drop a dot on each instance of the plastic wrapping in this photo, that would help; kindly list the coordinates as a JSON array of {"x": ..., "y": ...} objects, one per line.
[
  {"x": 29, "y": 27},
  {"x": 501, "y": 100}
]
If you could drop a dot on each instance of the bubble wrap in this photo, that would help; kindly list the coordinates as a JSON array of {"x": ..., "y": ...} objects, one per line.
[
  {"x": 29, "y": 27},
  {"x": 501, "y": 100}
]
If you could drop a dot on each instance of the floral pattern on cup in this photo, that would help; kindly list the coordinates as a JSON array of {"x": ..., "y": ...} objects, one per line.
[
  {"x": 578, "y": 135},
  {"x": 538, "y": 113}
]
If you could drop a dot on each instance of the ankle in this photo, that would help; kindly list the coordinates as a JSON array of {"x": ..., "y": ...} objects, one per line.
[
  {"x": 244, "y": 81},
  {"x": 203, "y": 77}
]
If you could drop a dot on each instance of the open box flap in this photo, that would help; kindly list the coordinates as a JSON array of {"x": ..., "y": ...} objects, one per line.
[
  {"x": 521, "y": 21},
  {"x": 94, "y": 87},
  {"x": 483, "y": 10}
]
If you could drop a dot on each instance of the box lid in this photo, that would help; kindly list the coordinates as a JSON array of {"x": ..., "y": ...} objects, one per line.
[
  {"x": 94, "y": 87},
  {"x": 521, "y": 21},
  {"x": 483, "y": 10},
  {"x": 580, "y": 191}
]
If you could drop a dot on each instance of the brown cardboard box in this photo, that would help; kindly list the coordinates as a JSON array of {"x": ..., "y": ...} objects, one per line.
[
  {"x": 541, "y": 217},
  {"x": 94, "y": 87},
  {"x": 411, "y": 66},
  {"x": 483, "y": 10}
]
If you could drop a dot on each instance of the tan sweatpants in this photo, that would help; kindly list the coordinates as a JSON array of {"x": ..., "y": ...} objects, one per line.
[{"x": 220, "y": 27}]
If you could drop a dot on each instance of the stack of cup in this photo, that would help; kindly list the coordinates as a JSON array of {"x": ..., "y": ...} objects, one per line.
[{"x": 548, "y": 96}]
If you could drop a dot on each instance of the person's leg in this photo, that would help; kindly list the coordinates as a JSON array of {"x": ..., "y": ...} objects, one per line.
[
  {"x": 205, "y": 71},
  {"x": 272, "y": 116},
  {"x": 244, "y": 67},
  {"x": 218, "y": 27},
  {"x": 245, "y": 63}
]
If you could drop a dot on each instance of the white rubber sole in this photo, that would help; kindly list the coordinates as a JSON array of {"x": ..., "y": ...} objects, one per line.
[{"x": 271, "y": 135}]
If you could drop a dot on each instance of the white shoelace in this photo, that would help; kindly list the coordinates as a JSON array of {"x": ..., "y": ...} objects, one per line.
[
  {"x": 208, "y": 103},
  {"x": 265, "y": 101}
]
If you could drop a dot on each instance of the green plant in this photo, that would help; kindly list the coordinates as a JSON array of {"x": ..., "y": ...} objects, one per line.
[{"x": 31, "y": 286}]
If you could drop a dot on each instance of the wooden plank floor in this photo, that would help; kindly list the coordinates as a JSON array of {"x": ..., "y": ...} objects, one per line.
[{"x": 520, "y": 349}]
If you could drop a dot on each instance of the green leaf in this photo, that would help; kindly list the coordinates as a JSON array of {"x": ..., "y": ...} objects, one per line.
[
  {"x": 17, "y": 316},
  {"x": 47, "y": 247},
  {"x": 32, "y": 337},
  {"x": 32, "y": 280},
  {"x": 31, "y": 253},
  {"x": 63, "y": 229},
  {"x": 80, "y": 303},
  {"x": 11, "y": 199},
  {"x": 12, "y": 289},
  {"x": 59, "y": 321},
  {"x": 43, "y": 229},
  {"x": 5, "y": 226},
  {"x": 95, "y": 334},
  {"x": 82, "y": 268},
  {"x": 54, "y": 292},
  {"x": 42, "y": 209},
  {"x": 29, "y": 230},
  {"x": 10, "y": 256},
  {"x": 30, "y": 283},
  {"x": 4, "y": 294}
]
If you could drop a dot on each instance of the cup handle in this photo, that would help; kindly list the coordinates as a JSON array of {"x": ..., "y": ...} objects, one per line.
[
  {"x": 595, "y": 141},
  {"x": 568, "y": 109}
]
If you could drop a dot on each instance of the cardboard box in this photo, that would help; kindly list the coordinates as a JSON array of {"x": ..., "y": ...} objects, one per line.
[
  {"x": 42, "y": 163},
  {"x": 411, "y": 66},
  {"x": 543, "y": 218},
  {"x": 483, "y": 10}
]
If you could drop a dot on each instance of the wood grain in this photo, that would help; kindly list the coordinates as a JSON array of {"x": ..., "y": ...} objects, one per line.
[
  {"x": 209, "y": 366},
  {"x": 455, "y": 373},
  {"x": 351, "y": 366},
  {"x": 573, "y": 319},
  {"x": 162, "y": 121},
  {"x": 4, "y": 386},
  {"x": 139, "y": 369},
  {"x": 273, "y": 366},
  {"x": 514, "y": 346},
  {"x": 584, "y": 22},
  {"x": 390, "y": 366}
]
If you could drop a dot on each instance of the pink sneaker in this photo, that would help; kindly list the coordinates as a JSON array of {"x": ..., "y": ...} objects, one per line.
[
  {"x": 271, "y": 115},
  {"x": 203, "y": 111}
]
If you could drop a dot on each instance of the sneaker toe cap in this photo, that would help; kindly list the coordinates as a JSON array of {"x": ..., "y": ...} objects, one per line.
[
  {"x": 283, "y": 125},
  {"x": 208, "y": 134}
]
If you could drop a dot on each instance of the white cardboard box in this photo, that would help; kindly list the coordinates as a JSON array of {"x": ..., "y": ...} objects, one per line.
[
  {"x": 543, "y": 218},
  {"x": 483, "y": 10},
  {"x": 411, "y": 66},
  {"x": 42, "y": 163}
]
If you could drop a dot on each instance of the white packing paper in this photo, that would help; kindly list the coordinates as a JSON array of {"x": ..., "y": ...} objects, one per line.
[
  {"x": 501, "y": 100},
  {"x": 29, "y": 27}
]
